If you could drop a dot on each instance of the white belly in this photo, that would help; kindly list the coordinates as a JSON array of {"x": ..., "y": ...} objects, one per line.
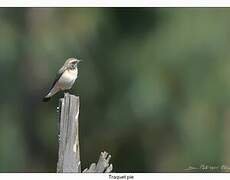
[{"x": 67, "y": 79}]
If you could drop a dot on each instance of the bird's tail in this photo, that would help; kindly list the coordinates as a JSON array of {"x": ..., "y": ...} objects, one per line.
[
  {"x": 46, "y": 99},
  {"x": 53, "y": 91}
]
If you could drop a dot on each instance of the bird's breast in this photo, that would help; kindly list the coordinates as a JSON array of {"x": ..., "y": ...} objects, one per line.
[{"x": 67, "y": 79}]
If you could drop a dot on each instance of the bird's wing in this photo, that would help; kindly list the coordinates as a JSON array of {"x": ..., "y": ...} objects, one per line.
[{"x": 59, "y": 74}]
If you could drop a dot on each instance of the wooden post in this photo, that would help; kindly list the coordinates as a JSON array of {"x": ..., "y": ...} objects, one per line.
[
  {"x": 102, "y": 165},
  {"x": 69, "y": 153}
]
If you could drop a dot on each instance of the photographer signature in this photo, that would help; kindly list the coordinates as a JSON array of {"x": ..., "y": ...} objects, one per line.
[{"x": 206, "y": 167}]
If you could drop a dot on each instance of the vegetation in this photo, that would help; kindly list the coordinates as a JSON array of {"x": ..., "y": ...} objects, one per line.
[{"x": 154, "y": 86}]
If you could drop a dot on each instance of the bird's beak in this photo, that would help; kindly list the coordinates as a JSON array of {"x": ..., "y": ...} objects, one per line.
[{"x": 79, "y": 60}]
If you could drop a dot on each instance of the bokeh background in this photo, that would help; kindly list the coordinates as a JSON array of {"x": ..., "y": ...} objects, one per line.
[{"x": 154, "y": 86}]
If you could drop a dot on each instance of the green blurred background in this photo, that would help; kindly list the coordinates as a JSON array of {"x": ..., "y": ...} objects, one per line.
[{"x": 154, "y": 86}]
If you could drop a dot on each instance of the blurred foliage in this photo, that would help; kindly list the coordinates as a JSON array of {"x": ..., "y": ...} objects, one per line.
[{"x": 154, "y": 86}]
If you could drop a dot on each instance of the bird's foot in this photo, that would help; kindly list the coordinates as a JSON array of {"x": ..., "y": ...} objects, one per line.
[
  {"x": 66, "y": 92},
  {"x": 69, "y": 91}
]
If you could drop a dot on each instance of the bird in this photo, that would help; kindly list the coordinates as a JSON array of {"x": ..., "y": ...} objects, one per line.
[{"x": 65, "y": 78}]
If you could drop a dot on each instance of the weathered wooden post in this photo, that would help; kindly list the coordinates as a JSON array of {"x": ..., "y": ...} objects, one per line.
[
  {"x": 69, "y": 154},
  {"x": 69, "y": 148}
]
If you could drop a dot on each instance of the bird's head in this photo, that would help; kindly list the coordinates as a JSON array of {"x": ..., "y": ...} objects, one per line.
[{"x": 72, "y": 63}]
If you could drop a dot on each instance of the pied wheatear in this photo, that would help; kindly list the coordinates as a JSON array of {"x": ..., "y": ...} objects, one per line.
[{"x": 65, "y": 78}]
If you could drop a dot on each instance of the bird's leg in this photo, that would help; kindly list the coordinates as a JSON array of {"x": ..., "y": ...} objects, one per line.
[
  {"x": 66, "y": 91},
  {"x": 70, "y": 91}
]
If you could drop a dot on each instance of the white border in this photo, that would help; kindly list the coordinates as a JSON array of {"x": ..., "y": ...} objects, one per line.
[
  {"x": 105, "y": 176},
  {"x": 114, "y": 3}
]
